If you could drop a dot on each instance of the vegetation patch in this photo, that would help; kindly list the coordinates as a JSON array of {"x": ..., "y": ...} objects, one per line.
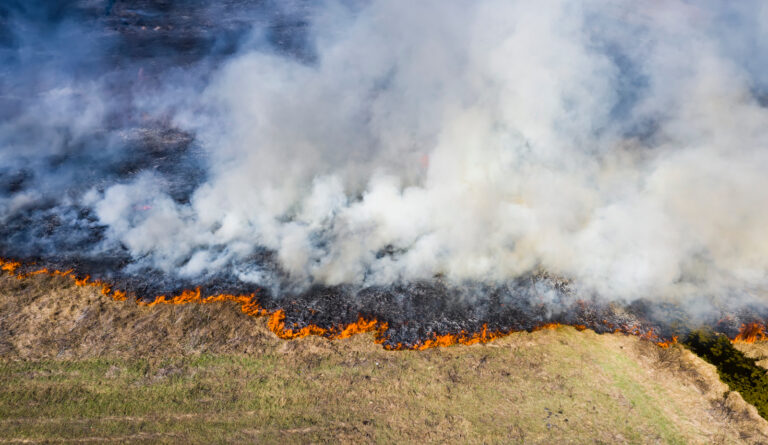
[
  {"x": 78, "y": 367},
  {"x": 739, "y": 372}
]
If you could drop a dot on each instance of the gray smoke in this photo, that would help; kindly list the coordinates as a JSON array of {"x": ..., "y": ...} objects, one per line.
[{"x": 620, "y": 145}]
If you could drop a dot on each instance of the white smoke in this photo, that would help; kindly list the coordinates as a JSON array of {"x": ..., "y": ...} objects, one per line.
[{"x": 619, "y": 144}]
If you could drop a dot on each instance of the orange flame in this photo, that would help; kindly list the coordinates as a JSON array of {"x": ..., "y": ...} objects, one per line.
[
  {"x": 9, "y": 266},
  {"x": 12, "y": 266},
  {"x": 667, "y": 343},
  {"x": 750, "y": 333},
  {"x": 462, "y": 338},
  {"x": 276, "y": 321},
  {"x": 579, "y": 327}
]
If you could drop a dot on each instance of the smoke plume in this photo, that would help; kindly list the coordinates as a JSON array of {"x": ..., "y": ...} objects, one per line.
[{"x": 618, "y": 147}]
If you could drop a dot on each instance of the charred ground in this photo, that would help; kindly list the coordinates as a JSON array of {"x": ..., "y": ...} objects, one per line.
[{"x": 133, "y": 45}]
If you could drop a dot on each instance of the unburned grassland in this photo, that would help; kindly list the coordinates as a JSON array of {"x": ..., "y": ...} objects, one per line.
[{"x": 78, "y": 367}]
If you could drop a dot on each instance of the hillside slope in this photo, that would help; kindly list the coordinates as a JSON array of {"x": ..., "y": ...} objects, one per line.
[
  {"x": 757, "y": 351},
  {"x": 77, "y": 365}
]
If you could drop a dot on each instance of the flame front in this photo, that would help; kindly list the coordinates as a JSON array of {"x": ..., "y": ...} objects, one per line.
[
  {"x": 277, "y": 323},
  {"x": 13, "y": 266},
  {"x": 750, "y": 333}
]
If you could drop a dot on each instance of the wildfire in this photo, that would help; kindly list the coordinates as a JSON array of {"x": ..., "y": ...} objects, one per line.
[
  {"x": 277, "y": 324},
  {"x": 12, "y": 266},
  {"x": 750, "y": 333},
  {"x": 667, "y": 343},
  {"x": 579, "y": 327},
  {"x": 9, "y": 266},
  {"x": 462, "y": 338}
]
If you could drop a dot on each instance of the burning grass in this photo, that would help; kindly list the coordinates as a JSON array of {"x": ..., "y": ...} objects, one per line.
[
  {"x": 79, "y": 366},
  {"x": 751, "y": 333},
  {"x": 250, "y": 305}
]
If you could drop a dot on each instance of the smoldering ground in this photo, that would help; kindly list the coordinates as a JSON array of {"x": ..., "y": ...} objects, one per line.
[{"x": 438, "y": 165}]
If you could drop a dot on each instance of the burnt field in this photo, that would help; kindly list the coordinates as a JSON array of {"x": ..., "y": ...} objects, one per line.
[
  {"x": 197, "y": 197},
  {"x": 112, "y": 171}
]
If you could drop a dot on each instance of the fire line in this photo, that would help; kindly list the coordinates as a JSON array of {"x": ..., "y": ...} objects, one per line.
[
  {"x": 751, "y": 333},
  {"x": 277, "y": 323}
]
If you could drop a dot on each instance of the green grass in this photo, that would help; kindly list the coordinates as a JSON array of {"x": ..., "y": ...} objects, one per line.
[
  {"x": 639, "y": 396},
  {"x": 75, "y": 366},
  {"x": 562, "y": 386}
]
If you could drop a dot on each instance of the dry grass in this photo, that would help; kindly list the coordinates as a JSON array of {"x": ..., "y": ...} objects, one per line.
[
  {"x": 77, "y": 366},
  {"x": 757, "y": 351}
]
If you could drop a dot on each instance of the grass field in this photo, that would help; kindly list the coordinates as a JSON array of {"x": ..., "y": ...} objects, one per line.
[{"x": 76, "y": 367}]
